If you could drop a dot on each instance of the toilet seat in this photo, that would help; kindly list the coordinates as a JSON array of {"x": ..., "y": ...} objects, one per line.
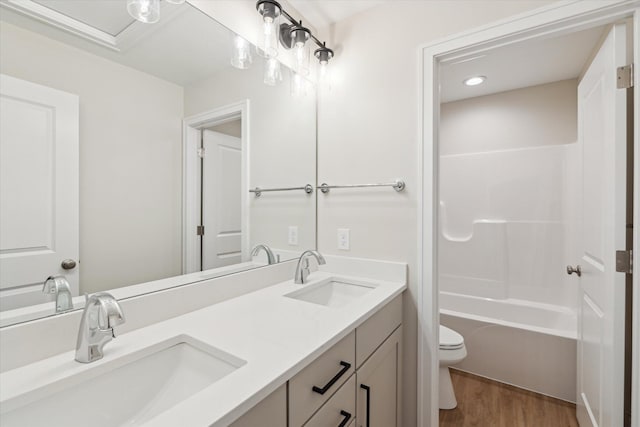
[{"x": 450, "y": 339}]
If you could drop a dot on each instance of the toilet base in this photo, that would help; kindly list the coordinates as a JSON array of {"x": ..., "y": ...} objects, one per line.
[{"x": 447, "y": 395}]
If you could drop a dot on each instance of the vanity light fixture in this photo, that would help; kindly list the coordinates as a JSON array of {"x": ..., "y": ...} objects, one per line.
[
  {"x": 147, "y": 11},
  {"x": 474, "y": 81},
  {"x": 292, "y": 35}
]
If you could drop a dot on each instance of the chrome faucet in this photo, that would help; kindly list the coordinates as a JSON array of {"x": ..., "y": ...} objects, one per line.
[
  {"x": 271, "y": 258},
  {"x": 302, "y": 270},
  {"x": 100, "y": 315},
  {"x": 59, "y": 286}
]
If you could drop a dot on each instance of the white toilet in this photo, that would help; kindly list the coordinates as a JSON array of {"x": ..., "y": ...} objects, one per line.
[{"x": 452, "y": 351}]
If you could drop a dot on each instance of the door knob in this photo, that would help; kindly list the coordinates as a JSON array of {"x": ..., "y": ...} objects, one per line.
[
  {"x": 577, "y": 270},
  {"x": 68, "y": 264}
]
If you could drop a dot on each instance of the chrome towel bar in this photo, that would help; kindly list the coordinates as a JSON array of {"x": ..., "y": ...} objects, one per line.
[
  {"x": 258, "y": 191},
  {"x": 398, "y": 185}
]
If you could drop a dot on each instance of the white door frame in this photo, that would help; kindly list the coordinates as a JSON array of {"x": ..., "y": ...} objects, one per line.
[
  {"x": 191, "y": 178},
  {"x": 555, "y": 19}
]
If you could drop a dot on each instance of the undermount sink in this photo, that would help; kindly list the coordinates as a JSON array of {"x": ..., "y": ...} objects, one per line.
[
  {"x": 128, "y": 394},
  {"x": 332, "y": 293}
]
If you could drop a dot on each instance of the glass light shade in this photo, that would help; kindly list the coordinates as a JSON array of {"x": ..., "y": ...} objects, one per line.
[
  {"x": 272, "y": 72},
  {"x": 324, "y": 77},
  {"x": 241, "y": 55},
  {"x": 269, "y": 43},
  {"x": 301, "y": 53},
  {"x": 147, "y": 11}
]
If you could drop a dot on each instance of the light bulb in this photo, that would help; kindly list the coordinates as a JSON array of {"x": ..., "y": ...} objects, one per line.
[
  {"x": 272, "y": 72},
  {"x": 147, "y": 11},
  {"x": 241, "y": 57}
]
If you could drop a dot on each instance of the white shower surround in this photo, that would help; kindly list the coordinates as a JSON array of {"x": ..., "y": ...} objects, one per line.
[{"x": 508, "y": 224}]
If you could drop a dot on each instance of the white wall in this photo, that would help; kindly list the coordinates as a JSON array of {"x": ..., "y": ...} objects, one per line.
[
  {"x": 369, "y": 131},
  {"x": 506, "y": 196},
  {"x": 529, "y": 117},
  {"x": 130, "y": 158},
  {"x": 282, "y": 150}
]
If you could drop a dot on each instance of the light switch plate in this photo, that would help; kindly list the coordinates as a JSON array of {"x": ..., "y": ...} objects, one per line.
[
  {"x": 293, "y": 235},
  {"x": 344, "y": 242}
]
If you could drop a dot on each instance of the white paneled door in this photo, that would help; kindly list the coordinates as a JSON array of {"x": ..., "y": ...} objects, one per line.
[
  {"x": 602, "y": 132},
  {"x": 38, "y": 189},
  {"x": 221, "y": 200}
]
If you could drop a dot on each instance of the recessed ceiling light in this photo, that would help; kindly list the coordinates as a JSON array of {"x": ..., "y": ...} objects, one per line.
[{"x": 474, "y": 81}]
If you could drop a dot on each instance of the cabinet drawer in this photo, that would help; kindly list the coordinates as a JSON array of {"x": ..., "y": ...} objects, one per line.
[
  {"x": 270, "y": 412},
  {"x": 340, "y": 410},
  {"x": 326, "y": 374},
  {"x": 377, "y": 328}
]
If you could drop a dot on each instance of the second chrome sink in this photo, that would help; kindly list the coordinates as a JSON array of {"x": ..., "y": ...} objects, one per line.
[
  {"x": 126, "y": 395},
  {"x": 333, "y": 293}
]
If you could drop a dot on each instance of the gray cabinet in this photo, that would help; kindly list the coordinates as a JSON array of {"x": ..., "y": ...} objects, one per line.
[{"x": 378, "y": 386}]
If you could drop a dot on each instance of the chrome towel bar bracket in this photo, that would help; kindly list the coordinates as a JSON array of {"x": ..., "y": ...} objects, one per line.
[{"x": 398, "y": 185}]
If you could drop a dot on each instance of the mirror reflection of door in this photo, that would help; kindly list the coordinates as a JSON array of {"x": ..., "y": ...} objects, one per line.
[
  {"x": 221, "y": 238},
  {"x": 38, "y": 190}
]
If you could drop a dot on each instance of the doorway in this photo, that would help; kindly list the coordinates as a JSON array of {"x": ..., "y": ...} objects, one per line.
[
  {"x": 549, "y": 22},
  {"x": 215, "y": 192}
]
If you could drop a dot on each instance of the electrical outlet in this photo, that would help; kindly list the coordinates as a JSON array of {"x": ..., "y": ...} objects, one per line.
[
  {"x": 343, "y": 239},
  {"x": 293, "y": 235}
]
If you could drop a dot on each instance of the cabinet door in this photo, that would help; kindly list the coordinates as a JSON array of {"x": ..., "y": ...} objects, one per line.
[
  {"x": 378, "y": 386},
  {"x": 270, "y": 412}
]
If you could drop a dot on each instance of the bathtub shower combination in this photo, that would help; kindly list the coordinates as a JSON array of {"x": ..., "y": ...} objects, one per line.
[{"x": 507, "y": 226}]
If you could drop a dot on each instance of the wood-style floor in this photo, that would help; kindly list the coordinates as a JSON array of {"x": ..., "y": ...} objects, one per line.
[{"x": 487, "y": 403}]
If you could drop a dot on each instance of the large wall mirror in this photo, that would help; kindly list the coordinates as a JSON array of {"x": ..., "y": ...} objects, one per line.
[{"x": 131, "y": 153}]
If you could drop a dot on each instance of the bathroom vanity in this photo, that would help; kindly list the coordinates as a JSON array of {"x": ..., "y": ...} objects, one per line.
[
  {"x": 356, "y": 379},
  {"x": 324, "y": 353}
]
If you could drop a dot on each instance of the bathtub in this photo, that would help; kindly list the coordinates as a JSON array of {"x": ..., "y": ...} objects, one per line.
[{"x": 525, "y": 344}]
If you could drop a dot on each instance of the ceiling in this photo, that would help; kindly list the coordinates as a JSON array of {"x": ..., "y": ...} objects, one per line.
[
  {"x": 523, "y": 64},
  {"x": 185, "y": 46},
  {"x": 322, "y": 13},
  {"x": 106, "y": 15}
]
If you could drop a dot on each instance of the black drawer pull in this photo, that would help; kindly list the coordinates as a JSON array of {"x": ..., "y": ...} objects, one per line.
[
  {"x": 347, "y": 417},
  {"x": 368, "y": 410},
  {"x": 323, "y": 390}
]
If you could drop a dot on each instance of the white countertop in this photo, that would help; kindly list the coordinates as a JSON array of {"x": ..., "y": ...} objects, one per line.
[{"x": 276, "y": 336}]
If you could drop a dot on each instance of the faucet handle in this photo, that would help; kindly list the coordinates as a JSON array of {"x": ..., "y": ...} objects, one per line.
[
  {"x": 51, "y": 285},
  {"x": 109, "y": 311}
]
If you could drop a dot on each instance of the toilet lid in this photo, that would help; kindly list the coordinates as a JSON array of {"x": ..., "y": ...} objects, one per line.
[{"x": 450, "y": 339}]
